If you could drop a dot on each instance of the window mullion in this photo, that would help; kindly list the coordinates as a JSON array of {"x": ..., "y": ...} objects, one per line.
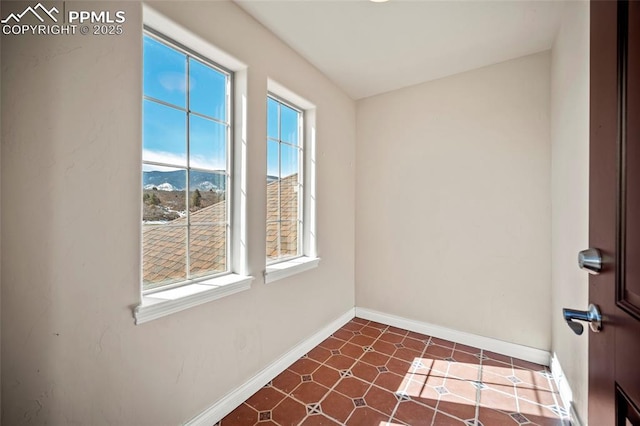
[
  {"x": 188, "y": 180},
  {"x": 279, "y": 228},
  {"x": 300, "y": 224},
  {"x": 228, "y": 176}
]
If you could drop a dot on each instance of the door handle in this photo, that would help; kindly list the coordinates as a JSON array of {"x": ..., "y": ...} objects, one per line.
[
  {"x": 592, "y": 316},
  {"x": 590, "y": 260}
]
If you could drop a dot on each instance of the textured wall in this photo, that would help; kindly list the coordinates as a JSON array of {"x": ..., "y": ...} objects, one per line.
[{"x": 453, "y": 202}]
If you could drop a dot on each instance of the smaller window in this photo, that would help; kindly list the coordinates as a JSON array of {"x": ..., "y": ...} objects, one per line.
[{"x": 285, "y": 189}]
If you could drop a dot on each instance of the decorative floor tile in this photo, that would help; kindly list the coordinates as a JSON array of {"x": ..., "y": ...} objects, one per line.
[
  {"x": 514, "y": 380},
  {"x": 519, "y": 418},
  {"x": 442, "y": 390},
  {"x": 367, "y": 373},
  {"x": 313, "y": 409},
  {"x": 478, "y": 385},
  {"x": 345, "y": 373},
  {"x": 265, "y": 415},
  {"x": 401, "y": 396},
  {"x": 359, "y": 402}
]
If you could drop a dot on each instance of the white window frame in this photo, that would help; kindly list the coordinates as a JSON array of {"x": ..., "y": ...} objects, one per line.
[
  {"x": 308, "y": 259},
  {"x": 171, "y": 299},
  {"x": 161, "y": 38}
]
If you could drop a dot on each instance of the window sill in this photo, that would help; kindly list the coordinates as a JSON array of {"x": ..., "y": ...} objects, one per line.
[
  {"x": 163, "y": 303},
  {"x": 288, "y": 268}
]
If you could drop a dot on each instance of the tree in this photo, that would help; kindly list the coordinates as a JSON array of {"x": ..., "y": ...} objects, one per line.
[
  {"x": 196, "y": 198},
  {"x": 151, "y": 199}
]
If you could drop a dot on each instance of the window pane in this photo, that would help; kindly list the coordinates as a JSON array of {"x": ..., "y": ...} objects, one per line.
[
  {"x": 163, "y": 194},
  {"x": 289, "y": 198},
  {"x": 273, "y": 208},
  {"x": 207, "y": 144},
  {"x": 207, "y": 197},
  {"x": 164, "y": 134},
  {"x": 164, "y": 259},
  {"x": 207, "y": 250},
  {"x": 273, "y": 252},
  {"x": 207, "y": 90},
  {"x": 288, "y": 238},
  {"x": 165, "y": 72},
  {"x": 273, "y": 161},
  {"x": 272, "y": 119},
  {"x": 289, "y": 123},
  {"x": 289, "y": 161}
]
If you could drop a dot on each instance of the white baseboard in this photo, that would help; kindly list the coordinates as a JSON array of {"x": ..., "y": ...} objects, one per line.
[
  {"x": 233, "y": 399},
  {"x": 526, "y": 353},
  {"x": 565, "y": 390}
]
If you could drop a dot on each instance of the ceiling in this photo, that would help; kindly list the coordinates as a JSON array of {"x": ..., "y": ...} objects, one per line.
[{"x": 369, "y": 48}]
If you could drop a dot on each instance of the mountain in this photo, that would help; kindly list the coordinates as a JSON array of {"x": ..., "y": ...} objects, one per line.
[{"x": 176, "y": 180}]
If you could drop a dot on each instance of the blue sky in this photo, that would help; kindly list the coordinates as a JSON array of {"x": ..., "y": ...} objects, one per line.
[{"x": 164, "y": 132}]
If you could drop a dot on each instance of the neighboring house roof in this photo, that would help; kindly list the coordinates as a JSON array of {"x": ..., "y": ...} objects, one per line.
[{"x": 164, "y": 246}]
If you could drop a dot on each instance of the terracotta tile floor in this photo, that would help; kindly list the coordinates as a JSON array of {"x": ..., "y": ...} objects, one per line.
[{"x": 368, "y": 373}]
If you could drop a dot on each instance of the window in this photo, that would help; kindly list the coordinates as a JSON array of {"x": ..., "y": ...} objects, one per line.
[
  {"x": 284, "y": 181},
  {"x": 186, "y": 162}
]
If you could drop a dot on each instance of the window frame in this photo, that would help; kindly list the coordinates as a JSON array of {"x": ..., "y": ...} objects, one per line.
[
  {"x": 308, "y": 256},
  {"x": 229, "y": 163},
  {"x": 301, "y": 181},
  {"x": 167, "y": 301}
]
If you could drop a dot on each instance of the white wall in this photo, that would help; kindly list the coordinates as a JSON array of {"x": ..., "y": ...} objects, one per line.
[
  {"x": 453, "y": 202},
  {"x": 570, "y": 191},
  {"x": 71, "y": 154}
]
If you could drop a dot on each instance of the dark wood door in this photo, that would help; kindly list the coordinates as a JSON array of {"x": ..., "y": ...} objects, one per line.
[{"x": 614, "y": 212}]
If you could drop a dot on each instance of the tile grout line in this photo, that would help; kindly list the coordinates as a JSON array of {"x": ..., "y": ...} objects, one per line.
[
  {"x": 515, "y": 386},
  {"x": 444, "y": 383},
  {"x": 479, "y": 390}
]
